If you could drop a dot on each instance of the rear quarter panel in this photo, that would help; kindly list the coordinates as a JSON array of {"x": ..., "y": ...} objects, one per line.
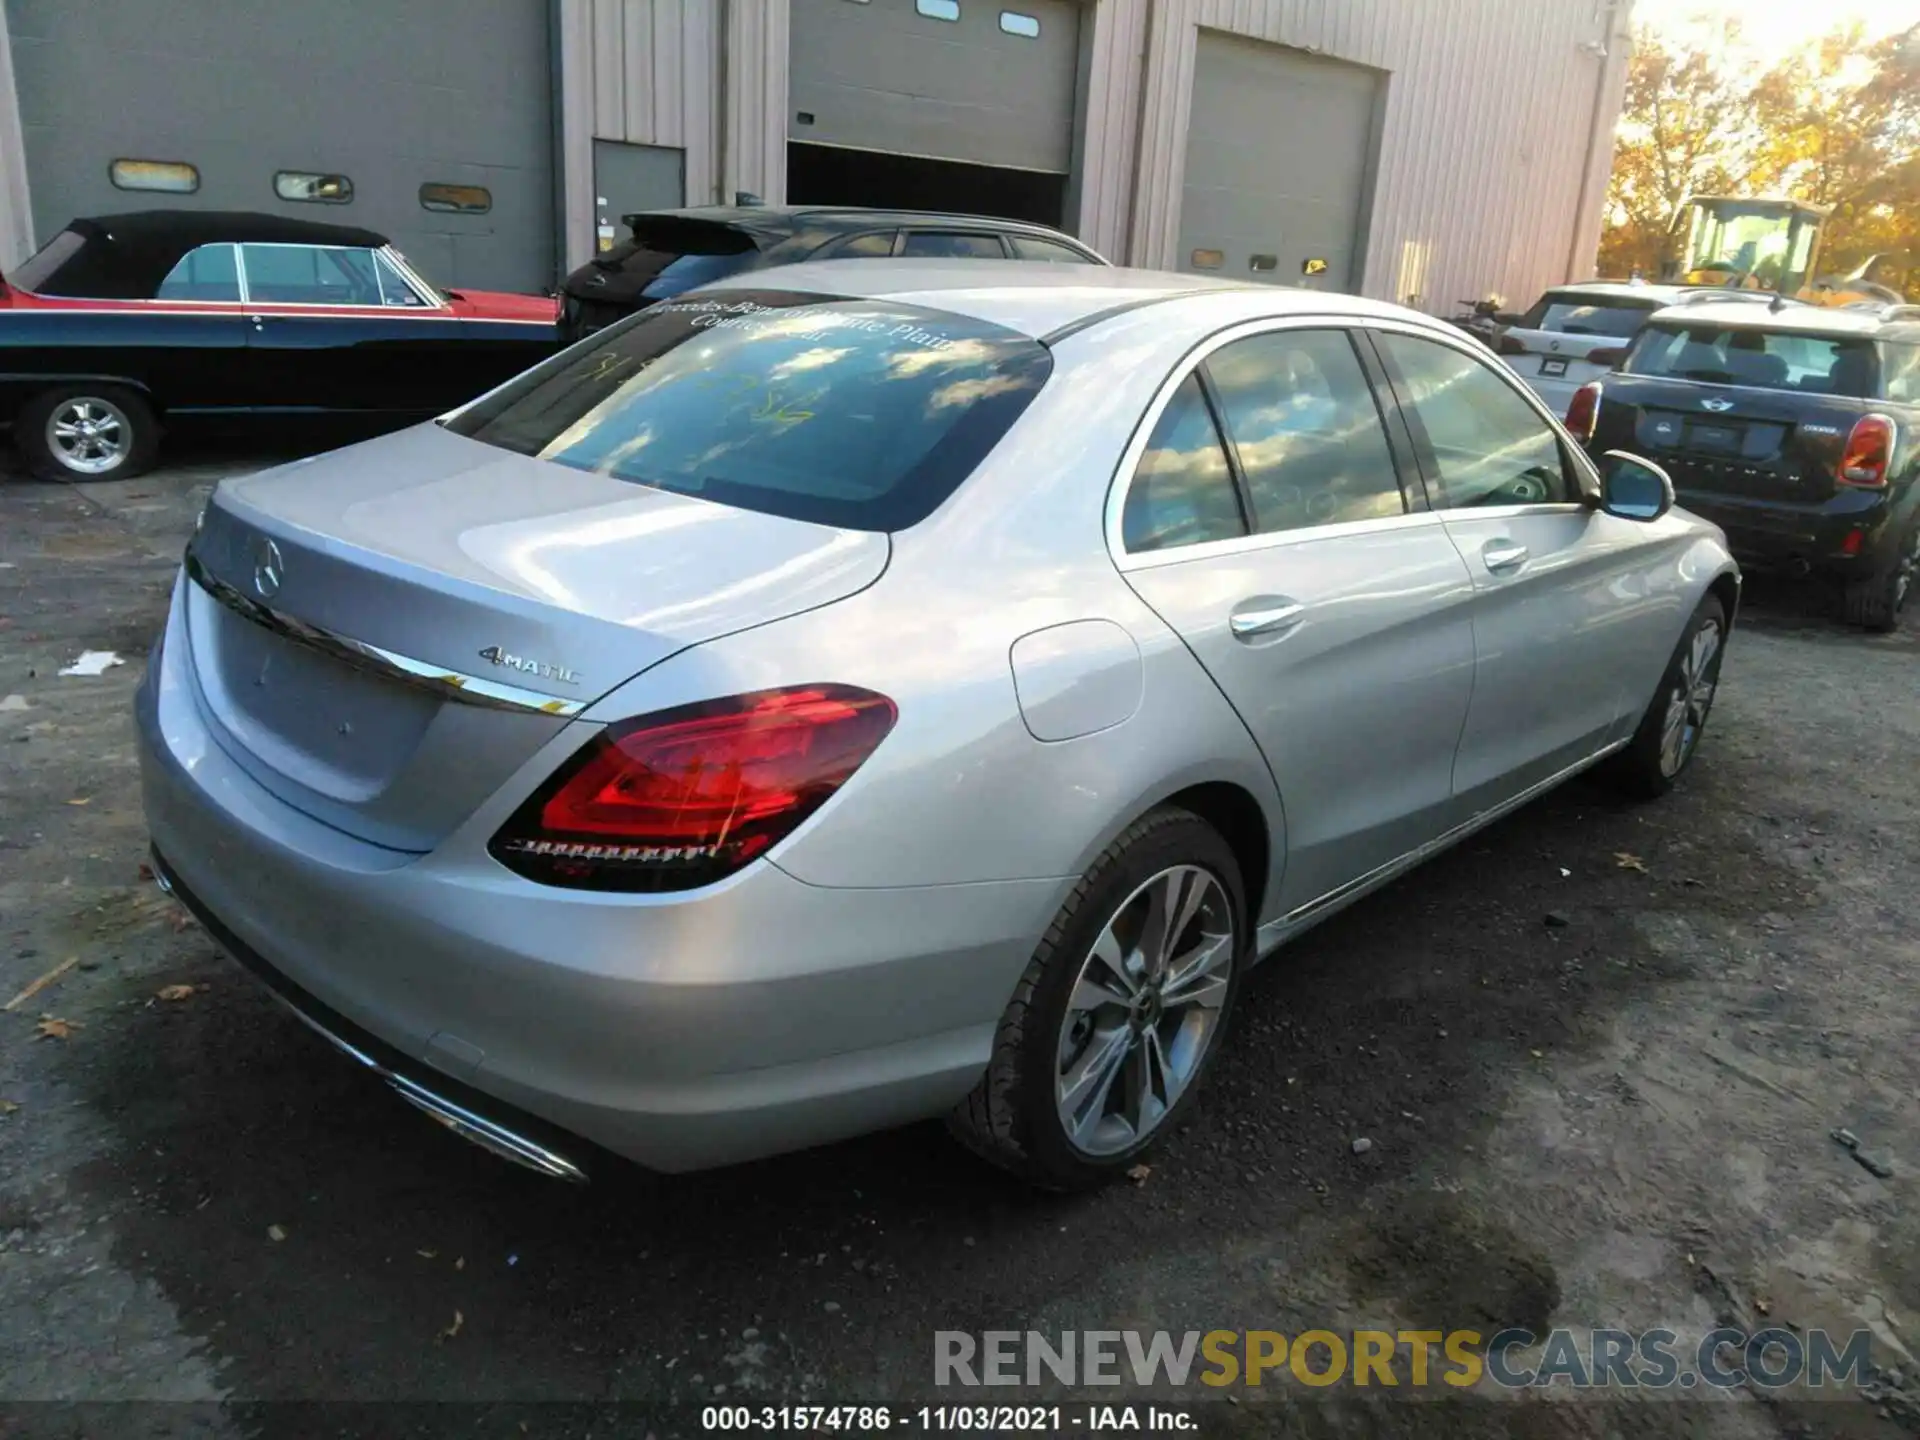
[{"x": 177, "y": 357}]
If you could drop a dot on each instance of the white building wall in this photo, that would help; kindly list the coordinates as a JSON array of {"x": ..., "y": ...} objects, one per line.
[
  {"x": 1494, "y": 146},
  {"x": 707, "y": 77},
  {"x": 16, "y": 214}
]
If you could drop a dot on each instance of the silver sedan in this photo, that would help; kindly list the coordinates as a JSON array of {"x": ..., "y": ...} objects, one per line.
[{"x": 901, "y": 691}]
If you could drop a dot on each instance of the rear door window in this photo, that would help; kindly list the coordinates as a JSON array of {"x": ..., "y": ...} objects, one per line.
[
  {"x": 1574, "y": 315},
  {"x": 206, "y": 273},
  {"x": 940, "y": 245},
  {"x": 1815, "y": 364},
  {"x": 852, "y": 412},
  {"x": 1306, "y": 430},
  {"x": 1033, "y": 247}
]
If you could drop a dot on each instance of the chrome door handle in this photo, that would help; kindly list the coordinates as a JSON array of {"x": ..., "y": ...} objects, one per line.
[
  {"x": 1503, "y": 555},
  {"x": 1264, "y": 617}
]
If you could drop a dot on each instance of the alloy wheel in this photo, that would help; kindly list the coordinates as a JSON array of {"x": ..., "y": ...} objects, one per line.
[
  {"x": 88, "y": 435},
  {"x": 1690, "y": 699},
  {"x": 1144, "y": 1010}
]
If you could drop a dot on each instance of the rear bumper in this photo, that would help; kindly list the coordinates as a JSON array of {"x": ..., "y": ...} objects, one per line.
[
  {"x": 755, "y": 1016},
  {"x": 1779, "y": 535}
]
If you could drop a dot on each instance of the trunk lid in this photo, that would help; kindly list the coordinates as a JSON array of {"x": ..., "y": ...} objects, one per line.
[
  {"x": 1730, "y": 440},
  {"x": 430, "y": 552}
]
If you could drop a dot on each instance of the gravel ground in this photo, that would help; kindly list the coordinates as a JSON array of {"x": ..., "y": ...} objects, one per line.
[{"x": 1623, "y": 1120}]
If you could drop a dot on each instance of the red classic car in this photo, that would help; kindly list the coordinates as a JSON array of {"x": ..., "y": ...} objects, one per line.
[{"x": 124, "y": 324}]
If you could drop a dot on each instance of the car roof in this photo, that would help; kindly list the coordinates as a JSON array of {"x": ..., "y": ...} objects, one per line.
[
  {"x": 1793, "y": 317},
  {"x": 1037, "y": 300},
  {"x": 786, "y": 219},
  {"x": 125, "y": 257},
  {"x": 1621, "y": 289}
]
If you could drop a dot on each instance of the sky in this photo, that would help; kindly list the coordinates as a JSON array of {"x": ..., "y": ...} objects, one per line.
[{"x": 1772, "y": 27}]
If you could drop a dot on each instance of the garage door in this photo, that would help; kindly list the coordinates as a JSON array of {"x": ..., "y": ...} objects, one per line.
[
  {"x": 1279, "y": 153},
  {"x": 382, "y": 96},
  {"x": 947, "y": 79}
]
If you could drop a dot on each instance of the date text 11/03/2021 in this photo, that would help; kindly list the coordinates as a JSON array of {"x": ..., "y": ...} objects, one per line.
[{"x": 938, "y": 1419}]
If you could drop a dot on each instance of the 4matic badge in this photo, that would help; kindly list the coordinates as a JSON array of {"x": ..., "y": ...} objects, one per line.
[{"x": 525, "y": 666}]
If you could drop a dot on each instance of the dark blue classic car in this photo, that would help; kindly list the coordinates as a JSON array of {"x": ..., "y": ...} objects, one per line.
[{"x": 123, "y": 325}]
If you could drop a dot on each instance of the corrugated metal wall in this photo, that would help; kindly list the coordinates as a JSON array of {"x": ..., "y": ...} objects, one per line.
[
  {"x": 705, "y": 76},
  {"x": 1487, "y": 176}
]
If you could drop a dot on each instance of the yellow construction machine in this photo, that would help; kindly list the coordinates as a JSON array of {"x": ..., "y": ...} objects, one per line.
[{"x": 1747, "y": 243}]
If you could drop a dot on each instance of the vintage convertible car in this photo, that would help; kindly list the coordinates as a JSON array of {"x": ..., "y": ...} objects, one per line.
[{"x": 123, "y": 324}]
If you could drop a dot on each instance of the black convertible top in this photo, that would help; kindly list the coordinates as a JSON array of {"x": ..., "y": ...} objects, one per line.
[{"x": 125, "y": 257}]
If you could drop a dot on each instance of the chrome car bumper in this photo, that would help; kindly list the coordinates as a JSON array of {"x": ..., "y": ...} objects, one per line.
[{"x": 758, "y": 1015}]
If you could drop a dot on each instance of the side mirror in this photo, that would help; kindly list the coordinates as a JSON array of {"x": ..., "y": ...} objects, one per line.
[{"x": 1632, "y": 488}]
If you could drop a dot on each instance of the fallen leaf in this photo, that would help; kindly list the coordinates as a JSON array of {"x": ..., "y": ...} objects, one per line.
[
  {"x": 453, "y": 1329},
  {"x": 53, "y": 1028},
  {"x": 45, "y": 980},
  {"x": 7, "y": 1107},
  {"x": 1628, "y": 861},
  {"x": 427, "y": 1254},
  {"x": 175, "y": 992},
  {"x": 461, "y": 1263},
  {"x": 1538, "y": 1054},
  {"x": 276, "y": 1232},
  {"x": 83, "y": 800},
  {"x": 1760, "y": 1305},
  {"x": 145, "y": 871},
  {"x": 179, "y": 919},
  {"x": 1139, "y": 1173}
]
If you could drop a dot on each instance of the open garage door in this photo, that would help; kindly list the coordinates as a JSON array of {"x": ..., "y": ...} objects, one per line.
[
  {"x": 430, "y": 121},
  {"x": 1279, "y": 163},
  {"x": 933, "y": 104}
]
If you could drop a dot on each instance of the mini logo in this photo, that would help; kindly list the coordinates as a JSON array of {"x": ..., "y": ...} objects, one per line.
[
  {"x": 497, "y": 656},
  {"x": 1717, "y": 406},
  {"x": 268, "y": 569}
]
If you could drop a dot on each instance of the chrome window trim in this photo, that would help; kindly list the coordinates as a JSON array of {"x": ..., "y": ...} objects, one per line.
[
  {"x": 1136, "y": 448},
  {"x": 430, "y": 299},
  {"x": 448, "y": 684}
]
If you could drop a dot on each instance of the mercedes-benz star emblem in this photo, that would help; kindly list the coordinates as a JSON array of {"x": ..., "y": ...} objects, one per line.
[{"x": 268, "y": 569}]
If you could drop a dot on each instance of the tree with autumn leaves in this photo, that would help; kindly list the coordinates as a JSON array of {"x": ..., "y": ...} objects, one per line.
[{"x": 1835, "y": 124}]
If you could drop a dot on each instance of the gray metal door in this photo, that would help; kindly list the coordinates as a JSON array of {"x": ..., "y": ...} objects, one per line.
[
  {"x": 993, "y": 86},
  {"x": 627, "y": 178},
  {"x": 1279, "y": 163},
  {"x": 390, "y": 94}
]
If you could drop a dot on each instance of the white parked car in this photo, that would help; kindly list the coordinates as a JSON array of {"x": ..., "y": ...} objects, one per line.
[{"x": 1576, "y": 333}]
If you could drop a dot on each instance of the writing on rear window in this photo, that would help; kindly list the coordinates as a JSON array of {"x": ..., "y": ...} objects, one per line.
[{"x": 746, "y": 315}]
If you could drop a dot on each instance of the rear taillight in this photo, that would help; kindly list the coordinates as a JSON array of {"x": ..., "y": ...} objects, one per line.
[
  {"x": 682, "y": 798},
  {"x": 1583, "y": 411},
  {"x": 1609, "y": 357},
  {"x": 1507, "y": 345},
  {"x": 1868, "y": 453}
]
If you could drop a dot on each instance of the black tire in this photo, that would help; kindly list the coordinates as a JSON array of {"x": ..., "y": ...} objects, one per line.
[
  {"x": 1646, "y": 768},
  {"x": 1013, "y": 1117},
  {"x": 1877, "y": 602},
  {"x": 125, "y": 445}
]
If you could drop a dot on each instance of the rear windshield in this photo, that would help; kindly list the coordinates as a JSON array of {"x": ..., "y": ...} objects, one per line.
[
  {"x": 665, "y": 259},
  {"x": 1817, "y": 364},
  {"x": 860, "y": 413},
  {"x": 1578, "y": 315}
]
